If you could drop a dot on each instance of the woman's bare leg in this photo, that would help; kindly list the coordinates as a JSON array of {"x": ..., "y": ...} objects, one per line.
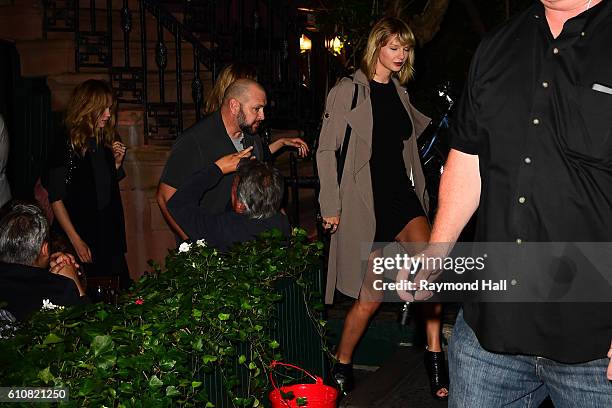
[
  {"x": 417, "y": 231},
  {"x": 357, "y": 320}
]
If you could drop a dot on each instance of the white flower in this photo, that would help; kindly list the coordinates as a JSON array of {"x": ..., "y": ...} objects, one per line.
[
  {"x": 184, "y": 247},
  {"x": 47, "y": 305},
  {"x": 193, "y": 264},
  {"x": 201, "y": 243}
]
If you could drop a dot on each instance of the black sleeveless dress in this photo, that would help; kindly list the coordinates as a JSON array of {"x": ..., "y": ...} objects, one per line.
[{"x": 395, "y": 201}]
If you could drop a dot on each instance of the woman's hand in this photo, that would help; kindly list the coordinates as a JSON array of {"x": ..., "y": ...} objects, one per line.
[
  {"x": 297, "y": 143},
  {"x": 292, "y": 142},
  {"x": 82, "y": 250},
  {"x": 118, "y": 153},
  {"x": 331, "y": 223}
]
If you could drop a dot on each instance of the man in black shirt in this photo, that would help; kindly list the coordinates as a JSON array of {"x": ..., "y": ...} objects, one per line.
[
  {"x": 231, "y": 129},
  {"x": 257, "y": 193},
  {"x": 30, "y": 277},
  {"x": 532, "y": 145}
]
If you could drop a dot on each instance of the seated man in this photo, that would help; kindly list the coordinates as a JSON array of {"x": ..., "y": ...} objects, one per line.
[
  {"x": 29, "y": 275},
  {"x": 256, "y": 194}
]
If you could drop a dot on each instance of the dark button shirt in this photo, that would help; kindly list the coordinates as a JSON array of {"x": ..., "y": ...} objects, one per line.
[{"x": 535, "y": 114}]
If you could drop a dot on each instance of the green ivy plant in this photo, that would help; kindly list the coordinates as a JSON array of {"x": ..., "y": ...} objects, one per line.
[{"x": 206, "y": 313}]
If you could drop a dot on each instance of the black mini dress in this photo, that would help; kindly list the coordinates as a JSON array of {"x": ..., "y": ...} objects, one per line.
[{"x": 395, "y": 201}]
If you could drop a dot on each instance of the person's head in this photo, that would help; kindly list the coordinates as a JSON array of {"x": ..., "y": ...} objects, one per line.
[
  {"x": 24, "y": 236},
  {"x": 229, "y": 74},
  {"x": 257, "y": 191},
  {"x": 245, "y": 100},
  {"x": 390, "y": 47},
  {"x": 91, "y": 113}
]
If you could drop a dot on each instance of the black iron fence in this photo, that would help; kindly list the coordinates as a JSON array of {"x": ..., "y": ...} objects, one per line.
[{"x": 164, "y": 54}]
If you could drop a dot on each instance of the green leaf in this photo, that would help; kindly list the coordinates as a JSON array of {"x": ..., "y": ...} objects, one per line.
[
  {"x": 197, "y": 344},
  {"x": 301, "y": 401},
  {"x": 101, "y": 344},
  {"x": 126, "y": 388},
  {"x": 102, "y": 314},
  {"x": 252, "y": 366},
  {"x": 155, "y": 382},
  {"x": 52, "y": 338},
  {"x": 106, "y": 362},
  {"x": 45, "y": 375},
  {"x": 171, "y": 391},
  {"x": 274, "y": 344},
  {"x": 208, "y": 358},
  {"x": 167, "y": 364},
  {"x": 256, "y": 403},
  {"x": 196, "y": 313},
  {"x": 196, "y": 384},
  {"x": 87, "y": 387},
  {"x": 242, "y": 359},
  {"x": 210, "y": 405},
  {"x": 224, "y": 316}
]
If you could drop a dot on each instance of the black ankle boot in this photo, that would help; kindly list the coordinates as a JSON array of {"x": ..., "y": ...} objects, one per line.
[
  {"x": 437, "y": 373},
  {"x": 342, "y": 375}
]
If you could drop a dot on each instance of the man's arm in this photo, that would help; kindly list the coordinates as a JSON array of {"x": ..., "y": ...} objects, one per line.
[
  {"x": 459, "y": 196},
  {"x": 164, "y": 194},
  {"x": 183, "y": 204}
]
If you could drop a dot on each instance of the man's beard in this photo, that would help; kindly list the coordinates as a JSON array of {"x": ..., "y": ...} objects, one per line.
[{"x": 244, "y": 126}]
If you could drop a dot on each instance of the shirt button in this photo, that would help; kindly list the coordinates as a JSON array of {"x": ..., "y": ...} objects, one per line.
[
  {"x": 519, "y": 241},
  {"x": 555, "y": 50},
  {"x": 545, "y": 84},
  {"x": 536, "y": 121},
  {"x": 521, "y": 200},
  {"x": 528, "y": 160}
]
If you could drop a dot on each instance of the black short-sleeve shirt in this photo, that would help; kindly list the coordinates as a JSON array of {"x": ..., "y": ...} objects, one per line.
[{"x": 537, "y": 111}]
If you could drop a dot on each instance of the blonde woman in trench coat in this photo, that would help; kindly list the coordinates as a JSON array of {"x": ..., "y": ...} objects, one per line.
[{"x": 348, "y": 210}]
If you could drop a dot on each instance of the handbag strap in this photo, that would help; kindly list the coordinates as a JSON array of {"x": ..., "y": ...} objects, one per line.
[{"x": 347, "y": 138}]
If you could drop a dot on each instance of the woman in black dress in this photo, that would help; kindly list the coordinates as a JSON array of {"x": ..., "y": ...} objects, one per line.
[
  {"x": 399, "y": 213},
  {"x": 85, "y": 168}
]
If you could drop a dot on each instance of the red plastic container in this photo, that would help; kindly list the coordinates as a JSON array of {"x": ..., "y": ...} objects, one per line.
[{"x": 317, "y": 395}]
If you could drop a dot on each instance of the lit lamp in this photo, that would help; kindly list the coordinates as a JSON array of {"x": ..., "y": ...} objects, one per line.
[
  {"x": 334, "y": 45},
  {"x": 305, "y": 43}
]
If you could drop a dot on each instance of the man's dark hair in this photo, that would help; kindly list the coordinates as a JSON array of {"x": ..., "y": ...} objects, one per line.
[
  {"x": 22, "y": 233},
  {"x": 260, "y": 188}
]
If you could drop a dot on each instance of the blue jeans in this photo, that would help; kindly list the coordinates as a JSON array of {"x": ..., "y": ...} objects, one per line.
[{"x": 481, "y": 379}]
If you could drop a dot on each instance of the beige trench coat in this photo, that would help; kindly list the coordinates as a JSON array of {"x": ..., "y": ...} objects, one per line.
[{"x": 353, "y": 200}]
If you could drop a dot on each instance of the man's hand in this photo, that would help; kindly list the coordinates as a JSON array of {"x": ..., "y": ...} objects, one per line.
[
  {"x": 331, "y": 223},
  {"x": 427, "y": 261},
  {"x": 62, "y": 258},
  {"x": 610, "y": 363},
  {"x": 229, "y": 163},
  {"x": 64, "y": 269},
  {"x": 118, "y": 153}
]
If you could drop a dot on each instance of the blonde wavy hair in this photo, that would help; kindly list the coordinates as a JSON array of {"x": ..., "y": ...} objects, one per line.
[
  {"x": 382, "y": 32},
  {"x": 87, "y": 104},
  {"x": 229, "y": 74}
]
